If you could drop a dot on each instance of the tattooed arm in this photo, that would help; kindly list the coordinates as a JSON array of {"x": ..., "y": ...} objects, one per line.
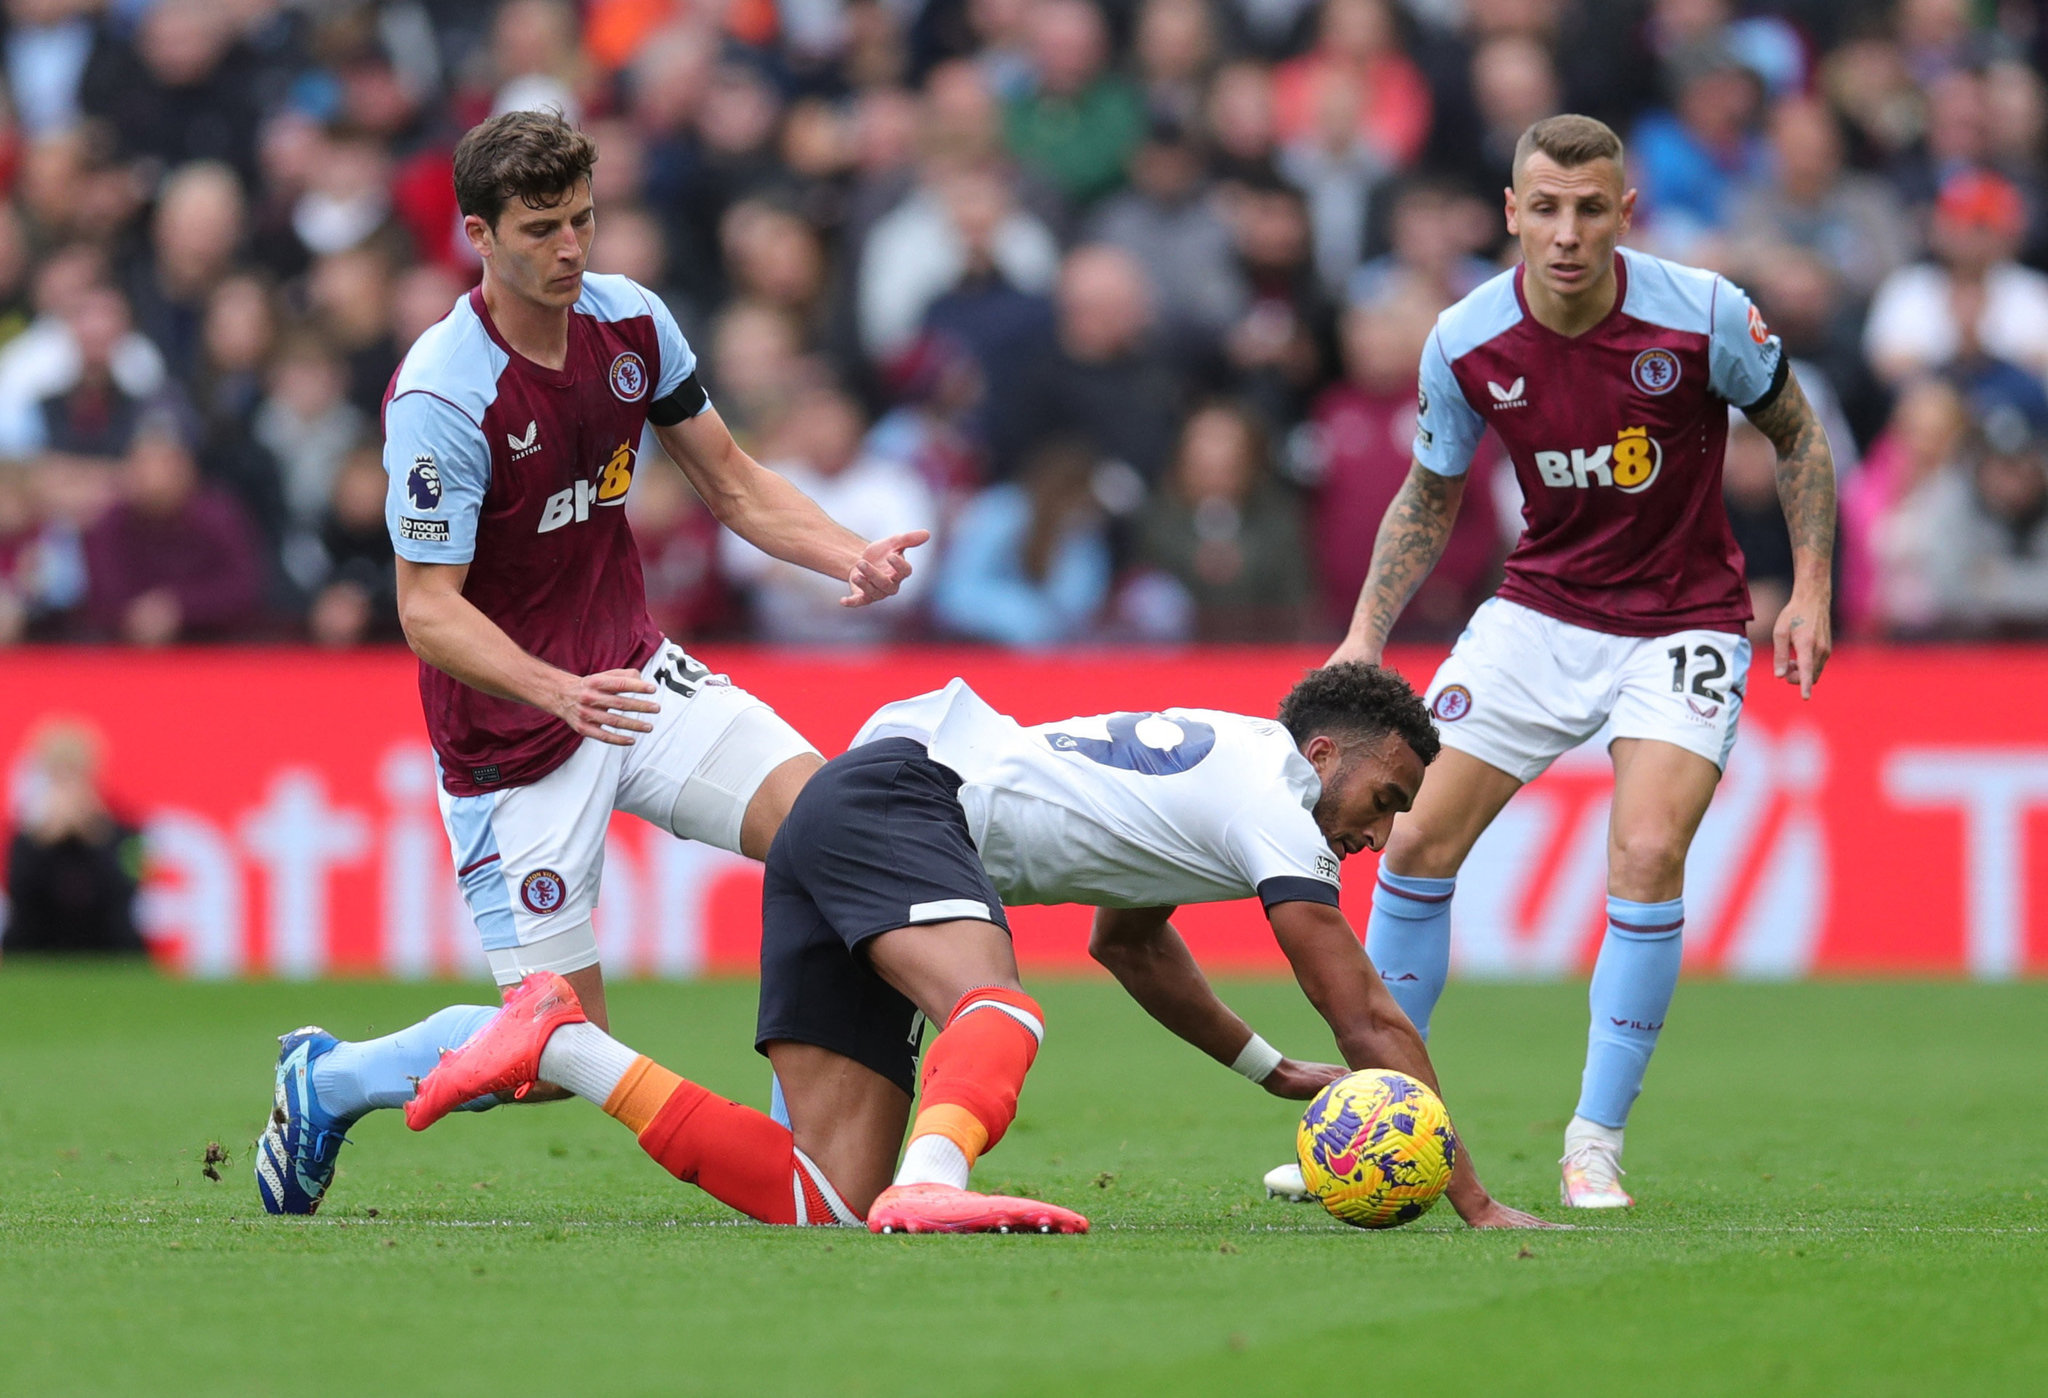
[
  {"x": 1803, "y": 637},
  {"x": 1411, "y": 539}
]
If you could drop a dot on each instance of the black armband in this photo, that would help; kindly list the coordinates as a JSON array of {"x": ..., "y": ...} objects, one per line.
[
  {"x": 684, "y": 402},
  {"x": 1770, "y": 395},
  {"x": 1296, "y": 890}
]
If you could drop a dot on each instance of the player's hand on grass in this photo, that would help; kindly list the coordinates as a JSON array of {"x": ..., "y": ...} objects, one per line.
[
  {"x": 1495, "y": 1214},
  {"x": 1801, "y": 642},
  {"x": 881, "y": 568},
  {"x": 602, "y": 706},
  {"x": 1300, "y": 1081}
]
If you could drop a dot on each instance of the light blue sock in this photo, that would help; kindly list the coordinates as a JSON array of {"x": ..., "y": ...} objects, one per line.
[
  {"x": 1408, "y": 938},
  {"x": 1632, "y": 985},
  {"x": 778, "y": 1109},
  {"x": 354, "y": 1078}
]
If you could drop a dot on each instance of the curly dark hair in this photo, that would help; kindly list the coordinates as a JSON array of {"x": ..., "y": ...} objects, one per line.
[
  {"x": 1359, "y": 700},
  {"x": 534, "y": 157}
]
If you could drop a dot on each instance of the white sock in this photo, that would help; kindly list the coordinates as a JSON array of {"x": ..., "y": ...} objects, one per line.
[
  {"x": 586, "y": 1060},
  {"x": 933, "y": 1159},
  {"x": 1582, "y": 1131}
]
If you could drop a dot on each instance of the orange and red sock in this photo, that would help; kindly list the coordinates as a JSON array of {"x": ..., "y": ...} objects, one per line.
[
  {"x": 968, "y": 1090},
  {"x": 733, "y": 1153}
]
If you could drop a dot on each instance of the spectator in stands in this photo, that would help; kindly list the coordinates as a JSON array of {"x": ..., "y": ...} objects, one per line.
[
  {"x": 817, "y": 447},
  {"x": 43, "y": 361},
  {"x": 1077, "y": 125},
  {"x": 1434, "y": 232},
  {"x": 308, "y": 426},
  {"x": 73, "y": 865},
  {"x": 1277, "y": 353},
  {"x": 1340, "y": 172},
  {"x": 236, "y": 341},
  {"x": 185, "y": 91},
  {"x": 194, "y": 237},
  {"x": 773, "y": 257},
  {"x": 1029, "y": 561},
  {"x": 1990, "y": 576},
  {"x": 1808, "y": 200},
  {"x": 1357, "y": 66},
  {"x": 1174, "y": 51},
  {"x": 1242, "y": 138},
  {"x": 937, "y": 389},
  {"x": 1229, "y": 532},
  {"x": 1169, "y": 221},
  {"x": 1101, "y": 377},
  {"x": 1693, "y": 160},
  {"x": 92, "y": 415},
  {"x": 349, "y": 295},
  {"x": 755, "y": 364},
  {"x": 1515, "y": 84},
  {"x": 174, "y": 559},
  {"x": 356, "y": 597},
  {"x": 962, "y": 224},
  {"x": 1361, "y": 442},
  {"x": 1978, "y": 222},
  {"x": 1888, "y": 538}
]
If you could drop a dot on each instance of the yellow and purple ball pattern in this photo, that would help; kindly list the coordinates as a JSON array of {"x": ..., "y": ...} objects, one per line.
[{"x": 1376, "y": 1148}]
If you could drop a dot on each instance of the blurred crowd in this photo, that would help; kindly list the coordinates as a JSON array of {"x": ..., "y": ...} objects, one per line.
[{"x": 1122, "y": 298}]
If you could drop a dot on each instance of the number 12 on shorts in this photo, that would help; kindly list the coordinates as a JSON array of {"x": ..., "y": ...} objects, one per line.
[{"x": 1712, "y": 666}]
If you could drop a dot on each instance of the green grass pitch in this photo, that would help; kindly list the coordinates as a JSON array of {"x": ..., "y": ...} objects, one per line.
[{"x": 1845, "y": 1191}]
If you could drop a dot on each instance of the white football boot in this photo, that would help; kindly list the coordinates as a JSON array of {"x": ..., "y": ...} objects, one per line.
[
  {"x": 1284, "y": 1182},
  {"x": 1591, "y": 1168}
]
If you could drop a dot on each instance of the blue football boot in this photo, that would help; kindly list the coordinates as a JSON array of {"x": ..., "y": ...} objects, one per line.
[{"x": 295, "y": 1155}]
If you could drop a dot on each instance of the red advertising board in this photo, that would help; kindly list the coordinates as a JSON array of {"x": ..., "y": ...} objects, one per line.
[{"x": 1898, "y": 823}]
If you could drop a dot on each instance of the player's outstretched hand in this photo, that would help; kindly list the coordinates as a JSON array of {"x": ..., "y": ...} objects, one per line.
[
  {"x": 1499, "y": 1215},
  {"x": 602, "y": 706},
  {"x": 881, "y": 568},
  {"x": 1300, "y": 1081},
  {"x": 1801, "y": 642}
]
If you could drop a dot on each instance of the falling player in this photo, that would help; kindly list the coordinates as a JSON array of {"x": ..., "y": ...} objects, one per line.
[
  {"x": 512, "y": 432},
  {"x": 1608, "y": 375},
  {"x": 883, "y": 908}
]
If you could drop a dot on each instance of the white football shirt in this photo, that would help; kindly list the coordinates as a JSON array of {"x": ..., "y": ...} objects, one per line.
[{"x": 1127, "y": 810}]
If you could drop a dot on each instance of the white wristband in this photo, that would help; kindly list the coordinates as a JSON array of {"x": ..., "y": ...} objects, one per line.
[{"x": 1257, "y": 1060}]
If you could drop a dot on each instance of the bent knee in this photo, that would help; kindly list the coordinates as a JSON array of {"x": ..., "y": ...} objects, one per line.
[
  {"x": 1419, "y": 851},
  {"x": 1647, "y": 866}
]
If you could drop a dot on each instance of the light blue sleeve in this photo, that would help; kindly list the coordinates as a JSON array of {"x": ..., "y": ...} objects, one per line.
[
  {"x": 437, "y": 467},
  {"x": 1447, "y": 430},
  {"x": 678, "y": 360},
  {"x": 1743, "y": 356}
]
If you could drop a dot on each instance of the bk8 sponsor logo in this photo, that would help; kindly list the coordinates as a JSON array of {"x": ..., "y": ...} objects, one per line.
[
  {"x": 1629, "y": 465},
  {"x": 614, "y": 478}
]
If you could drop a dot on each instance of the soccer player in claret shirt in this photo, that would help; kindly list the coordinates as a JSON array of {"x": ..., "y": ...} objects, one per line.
[
  {"x": 1609, "y": 376},
  {"x": 513, "y": 430},
  {"x": 883, "y": 909}
]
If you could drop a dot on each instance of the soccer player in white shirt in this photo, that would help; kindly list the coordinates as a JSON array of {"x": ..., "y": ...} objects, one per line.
[{"x": 883, "y": 910}]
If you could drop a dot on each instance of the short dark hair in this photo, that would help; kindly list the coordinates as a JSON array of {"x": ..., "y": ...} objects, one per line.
[
  {"x": 534, "y": 157},
  {"x": 1569, "y": 139},
  {"x": 1358, "y": 700}
]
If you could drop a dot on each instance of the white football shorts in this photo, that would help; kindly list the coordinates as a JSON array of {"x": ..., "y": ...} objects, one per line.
[
  {"x": 530, "y": 858},
  {"x": 1521, "y": 688}
]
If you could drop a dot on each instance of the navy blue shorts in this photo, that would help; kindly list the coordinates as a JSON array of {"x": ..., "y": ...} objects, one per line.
[{"x": 875, "y": 841}]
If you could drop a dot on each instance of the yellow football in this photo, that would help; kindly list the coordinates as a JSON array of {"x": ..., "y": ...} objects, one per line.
[{"x": 1376, "y": 1148}]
